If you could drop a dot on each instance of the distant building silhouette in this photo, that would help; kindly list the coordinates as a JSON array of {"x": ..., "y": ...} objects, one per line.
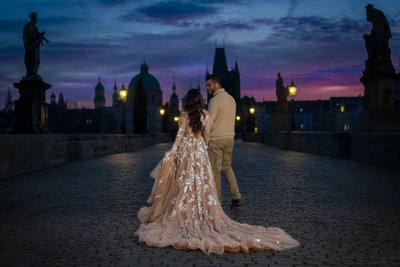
[
  {"x": 99, "y": 99},
  {"x": 7, "y": 115},
  {"x": 173, "y": 111},
  {"x": 115, "y": 95},
  {"x": 61, "y": 102},
  {"x": 334, "y": 115},
  {"x": 230, "y": 79},
  {"x": 144, "y": 102},
  {"x": 174, "y": 102}
]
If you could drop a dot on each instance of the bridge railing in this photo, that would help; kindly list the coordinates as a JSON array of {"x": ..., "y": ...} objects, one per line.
[
  {"x": 380, "y": 148},
  {"x": 20, "y": 154}
]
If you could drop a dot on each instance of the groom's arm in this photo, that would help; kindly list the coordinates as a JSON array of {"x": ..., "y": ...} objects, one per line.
[{"x": 212, "y": 111}]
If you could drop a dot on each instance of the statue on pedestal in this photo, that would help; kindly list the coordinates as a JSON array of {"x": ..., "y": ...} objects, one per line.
[
  {"x": 32, "y": 38},
  {"x": 378, "y": 75},
  {"x": 281, "y": 93},
  {"x": 30, "y": 108},
  {"x": 279, "y": 113},
  {"x": 281, "y": 90}
]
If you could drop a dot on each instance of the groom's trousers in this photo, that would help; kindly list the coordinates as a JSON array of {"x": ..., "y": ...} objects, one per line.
[{"x": 220, "y": 153}]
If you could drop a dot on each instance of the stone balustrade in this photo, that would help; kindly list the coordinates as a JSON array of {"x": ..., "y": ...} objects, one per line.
[
  {"x": 380, "y": 148},
  {"x": 21, "y": 154}
]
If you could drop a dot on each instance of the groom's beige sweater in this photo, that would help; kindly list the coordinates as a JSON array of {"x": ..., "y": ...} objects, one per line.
[{"x": 222, "y": 110}]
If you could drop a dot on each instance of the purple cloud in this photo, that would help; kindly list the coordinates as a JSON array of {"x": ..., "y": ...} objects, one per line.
[{"x": 169, "y": 12}]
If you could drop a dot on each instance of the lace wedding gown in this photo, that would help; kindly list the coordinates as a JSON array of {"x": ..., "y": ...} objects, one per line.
[{"x": 185, "y": 212}]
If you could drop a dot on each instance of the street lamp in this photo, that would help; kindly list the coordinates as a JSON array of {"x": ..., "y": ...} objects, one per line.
[
  {"x": 292, "y": 92},
  {"x": 164, "y": 118},
  {"x": 122, "y": 96},
  {"x": 251, "y": 124}
]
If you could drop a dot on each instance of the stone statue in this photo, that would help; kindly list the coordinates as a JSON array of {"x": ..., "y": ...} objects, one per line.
[
  {"x": 32, "y": 40},
  {"x": 379, "y": 74},
  {"x": 380, "y": 25},
  {"x": 281, "y": 91},
  {"x": 376, "y": 43}
]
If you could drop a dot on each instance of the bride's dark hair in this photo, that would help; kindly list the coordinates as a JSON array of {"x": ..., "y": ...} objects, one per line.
[{"x": 194, "y": 106}]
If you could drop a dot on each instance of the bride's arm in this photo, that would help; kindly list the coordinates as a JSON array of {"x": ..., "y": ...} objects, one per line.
[{"x": 207, "y": 129}]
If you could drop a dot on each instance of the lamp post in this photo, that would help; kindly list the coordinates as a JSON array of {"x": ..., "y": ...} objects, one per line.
[
  {"x": 292, "y": 92},
  {"x": 238, "y": 127},
  {"x": 251, "y": 119},
  {"x": 122, "y": 96},
  {"x": 164, "y": 119}
]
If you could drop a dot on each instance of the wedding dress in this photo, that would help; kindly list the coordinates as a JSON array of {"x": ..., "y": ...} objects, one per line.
[{"x": 184, "y": 210}]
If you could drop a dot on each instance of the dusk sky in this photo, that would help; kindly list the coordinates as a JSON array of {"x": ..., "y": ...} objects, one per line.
[{"x": 317, "y": 43}]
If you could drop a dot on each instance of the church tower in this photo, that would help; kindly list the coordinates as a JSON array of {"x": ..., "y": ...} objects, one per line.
[
  {"x": 53, "y": 101},
  {"x": 99, "y": 99},
  {"x": 174, "y": 103},
  {"x": 61, "y": 102},
  {"x": 115, "y": 96},
  {"x": 230, "y": 79}
]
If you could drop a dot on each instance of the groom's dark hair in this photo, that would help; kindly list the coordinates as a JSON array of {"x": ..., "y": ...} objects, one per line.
[{"x": 214, "y": 78}]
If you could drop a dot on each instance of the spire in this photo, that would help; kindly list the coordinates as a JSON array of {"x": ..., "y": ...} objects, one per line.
[
  {"x": 173, "y": 82},
  {"x": 236, "y": 69},
  {"x": 220, "y": 66},
  {"x": 115, "y": 85},
  {"x": 115, "y": 95},
  {"x": 9, "y": 98},
  {"x": 61, "y": 102},
  {"x": 53, "y": 98}
]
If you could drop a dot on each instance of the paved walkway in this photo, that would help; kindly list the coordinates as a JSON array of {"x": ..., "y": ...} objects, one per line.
[{"x": 344, "y": 213}]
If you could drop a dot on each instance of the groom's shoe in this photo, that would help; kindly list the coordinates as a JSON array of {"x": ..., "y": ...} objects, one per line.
[{"x": 236, "y": 203}]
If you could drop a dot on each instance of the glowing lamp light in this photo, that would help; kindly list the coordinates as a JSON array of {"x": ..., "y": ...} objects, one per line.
[
  {"x": 176, "y": 119},
  {"x": 123, "y": 92},
  {"x": 292, "y": 89},
  {"x": 252, "y": 110},
  {"x": 237, "y": 118},
  {"x": 162, "y": 112}
]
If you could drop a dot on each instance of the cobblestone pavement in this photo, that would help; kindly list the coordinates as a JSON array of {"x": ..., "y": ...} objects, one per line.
[{"x": 344, "y": 213}]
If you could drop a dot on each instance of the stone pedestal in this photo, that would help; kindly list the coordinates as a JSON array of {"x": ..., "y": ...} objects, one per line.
[
  {"x": 279, "y": 119},
  {"x": 380, "y": 113},
  {"x": 380, "y": 121},
  {"x": 379, "y": 93},
  {"x": 30, "y": 108}
]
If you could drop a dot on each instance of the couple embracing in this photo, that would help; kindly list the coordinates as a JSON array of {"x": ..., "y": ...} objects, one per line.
[{"x": 185, "y": 203}]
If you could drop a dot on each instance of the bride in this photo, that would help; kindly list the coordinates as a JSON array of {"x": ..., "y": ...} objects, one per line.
[{"x": 184, "y": 209}]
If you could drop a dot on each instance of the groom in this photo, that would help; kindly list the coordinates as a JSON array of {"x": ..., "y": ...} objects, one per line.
[{"x": 222, "y": 109}]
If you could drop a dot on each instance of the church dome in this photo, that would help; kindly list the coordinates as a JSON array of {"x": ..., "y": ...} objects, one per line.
[{"x": 149, "y": 81}]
